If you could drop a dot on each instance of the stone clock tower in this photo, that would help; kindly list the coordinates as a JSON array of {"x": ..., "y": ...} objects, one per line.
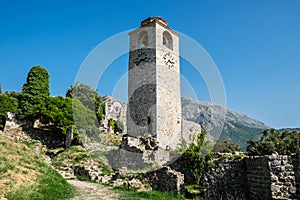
[{"x": 154, "y": 101}]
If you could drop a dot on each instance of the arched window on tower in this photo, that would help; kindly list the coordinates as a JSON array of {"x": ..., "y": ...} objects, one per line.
[
  {"x": 167, "y": 40},
  {"x": 143, "y": 39}
]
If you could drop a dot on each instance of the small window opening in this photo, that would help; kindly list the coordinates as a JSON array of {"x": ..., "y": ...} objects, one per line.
[
  {"x": 143, "y": 39},
  {"x": 167, "y": 40}
]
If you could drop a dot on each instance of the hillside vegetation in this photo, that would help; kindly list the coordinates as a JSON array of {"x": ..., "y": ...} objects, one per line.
[{"x": 25, "y": 175}]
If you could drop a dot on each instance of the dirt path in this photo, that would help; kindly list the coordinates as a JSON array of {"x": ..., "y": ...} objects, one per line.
[{"x": 92, "y": 191}]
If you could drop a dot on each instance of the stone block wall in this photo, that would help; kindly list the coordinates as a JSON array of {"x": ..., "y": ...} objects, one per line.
[
  {"x": 226, "y": 178},
  {"x": 282, "y": 176},
  {"x": 254, "y": 177},
  {"x": 296, "y": 164},
  {"x": 166, "y": 180},
  {"x": 183, "y": 166},
  {"x": 258, "y": 177}
]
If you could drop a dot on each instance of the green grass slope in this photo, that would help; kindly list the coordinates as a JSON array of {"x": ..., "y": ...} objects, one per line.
[{"x": 24, "y": 174}]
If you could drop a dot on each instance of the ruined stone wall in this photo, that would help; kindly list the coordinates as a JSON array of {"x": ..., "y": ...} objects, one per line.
[
  {"x": 114, "y": 109},
  {"x": 226, "y": 178},
  {"x": 254, "y": 177},
  {"x": 49, "y": 136},
  {"x": 296, "y": 164},
  {"x": 166, "y": 180},
  {"x": 282, "y": 176},
  {"x": 258, "y": 177}
]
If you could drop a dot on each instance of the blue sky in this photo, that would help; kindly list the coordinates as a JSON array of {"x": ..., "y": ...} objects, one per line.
[{"x": 255, "y": 44}]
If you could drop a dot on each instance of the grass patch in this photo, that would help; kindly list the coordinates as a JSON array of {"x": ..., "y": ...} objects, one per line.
[
  {"x": 49, "y": 186},
  {"x": 73, "y": 155},
  {"x": 6, "y": 166},
  {"x": 31, "y": 143},
  {"x": 110, "y": 139},
  {"x": 24, "y": 174},
  {"x": 77, "y": 155},
  {"x": 106, "y": 170}
]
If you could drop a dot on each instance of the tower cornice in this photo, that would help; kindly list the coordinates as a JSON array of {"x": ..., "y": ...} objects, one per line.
[{"x": 151, "y": 21}]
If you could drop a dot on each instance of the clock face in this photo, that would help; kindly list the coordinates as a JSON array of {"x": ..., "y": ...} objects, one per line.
[
  {"x": 169, "y": 60},
  {"x": 141, "y": 57}
]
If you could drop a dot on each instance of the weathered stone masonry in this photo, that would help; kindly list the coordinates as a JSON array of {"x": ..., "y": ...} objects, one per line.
[
  {"x": 226, "y": 178},
  {"x": 296, "y": 164},
  {"x": 154, "y": 107},
  {"x": 254, "y": 177}
]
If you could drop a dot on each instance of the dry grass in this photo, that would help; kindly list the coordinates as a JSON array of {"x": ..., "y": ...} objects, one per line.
[
  {"x": 17, "y": 166},
  {"x": 25, "y": 175}
]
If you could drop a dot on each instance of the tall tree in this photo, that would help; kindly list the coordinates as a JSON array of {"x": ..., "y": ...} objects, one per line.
[
  {"x": 89, "y": 97},
  {"x": 37, "y": 82},
  {"x": 85, "y": 94},
  {"x": 34, "y": 93}
]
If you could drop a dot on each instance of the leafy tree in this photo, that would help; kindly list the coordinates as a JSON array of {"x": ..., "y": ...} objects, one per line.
[
  {"x": 0, "y": 89},
  {"x": 29, "y": 106},
  {"x": 13, "y": 94},
  {"x": 7, "y": 104},
  {"x": 84, "y": 119},
  {"x": 197, "y": 156},
  {"x": 37, "y": 82},
  {"x": 226, "y": 147},
  {"x": 83, "y": 116},
  {"x": 34, "y": 93},
  {"x": 284, "y": 143},
  {"x": 57, "y": 110},
  {"x": 88, "y": 97},
  {"x": 85, "y": 94}
]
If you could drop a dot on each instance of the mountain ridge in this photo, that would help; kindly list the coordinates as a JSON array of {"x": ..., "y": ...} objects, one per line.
[{"x": 222, "y": 123}]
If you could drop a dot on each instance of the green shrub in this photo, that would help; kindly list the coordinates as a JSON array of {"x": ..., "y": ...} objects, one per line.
[
  {"x": 224, "y": 156},
  {"x": 100, "y": 110},
  {"x": 240, "y": 156},
  {"x": 7, "y": 104},
  {"x": 284, "y": 143},
  {"x": 119, "y": 127},
  {"x": 198, "y": 156},
  {"x": 226, "y": 147},
  {"x": 111, "y": 123}
]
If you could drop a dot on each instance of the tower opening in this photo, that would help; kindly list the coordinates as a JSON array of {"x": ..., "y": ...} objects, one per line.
[
  {"x": 143, "y": 39},
  {"x": 167, "y": 40}
]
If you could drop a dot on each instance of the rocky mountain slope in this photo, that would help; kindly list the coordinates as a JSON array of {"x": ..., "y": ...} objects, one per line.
[
  {"x": 222, "y": 123},
  {"x": 219, "y": 122}
]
